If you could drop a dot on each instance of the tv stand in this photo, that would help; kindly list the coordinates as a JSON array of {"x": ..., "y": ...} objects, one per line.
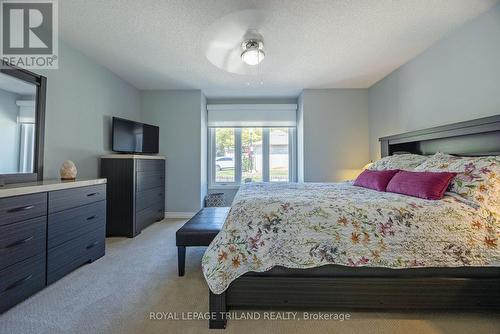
[{"x": 136, "y": 192}]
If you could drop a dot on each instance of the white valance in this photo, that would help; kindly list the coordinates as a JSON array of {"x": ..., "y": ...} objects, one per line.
[{"x": 252, "y": 115}]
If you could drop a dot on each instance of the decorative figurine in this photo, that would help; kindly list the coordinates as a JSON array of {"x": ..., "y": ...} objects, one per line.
[{"x": 68, "y": 170}]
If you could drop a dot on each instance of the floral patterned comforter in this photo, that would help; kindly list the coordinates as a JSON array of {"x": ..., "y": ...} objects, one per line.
[{"x": 313, "y": 224}]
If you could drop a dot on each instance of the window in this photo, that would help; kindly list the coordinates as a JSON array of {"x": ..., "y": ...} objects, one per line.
[
  {"x": 279, "y": 157},
  {"x": 224, "y": 155},
  {"x": 251, "y": 143},
  {"x": 251, "y": 154}
]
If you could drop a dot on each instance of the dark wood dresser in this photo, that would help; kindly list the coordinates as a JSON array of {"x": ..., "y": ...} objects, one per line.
[
  {"x": 136, "y": 192},
  {"x": 47, "y": 230}
]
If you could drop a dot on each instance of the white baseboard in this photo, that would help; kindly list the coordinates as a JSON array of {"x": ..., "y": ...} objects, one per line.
[{"x": 179, "y": 215}]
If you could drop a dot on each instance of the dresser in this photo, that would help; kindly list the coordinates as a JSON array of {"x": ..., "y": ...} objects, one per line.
[
  {"x": 136, "y": 192},
  {"x": 47, "y": 230}
]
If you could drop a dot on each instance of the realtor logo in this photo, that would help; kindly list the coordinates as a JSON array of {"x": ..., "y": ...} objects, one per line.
[{"x": 29, "y": 33}]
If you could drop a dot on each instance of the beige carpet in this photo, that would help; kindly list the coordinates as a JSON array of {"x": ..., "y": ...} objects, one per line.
[{"x": 137, "y": 276}]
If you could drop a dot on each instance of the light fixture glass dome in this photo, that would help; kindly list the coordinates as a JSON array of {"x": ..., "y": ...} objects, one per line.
[{"x": 253, "y": 52}]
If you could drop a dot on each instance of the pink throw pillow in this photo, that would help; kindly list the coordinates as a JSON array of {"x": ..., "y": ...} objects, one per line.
[
  {"x": 376, "y": 180},
  {"x": 427, "y": 185}
]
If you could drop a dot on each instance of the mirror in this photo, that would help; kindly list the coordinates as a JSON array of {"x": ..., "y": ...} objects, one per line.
[
  {"x": 22, "y": 114},
  {"x": 17, "y": 125}
]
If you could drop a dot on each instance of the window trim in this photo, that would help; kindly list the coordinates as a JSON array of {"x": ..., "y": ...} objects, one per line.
[
  {"x": 265, "y": 155},
  {"x": 292, "y": 157}
]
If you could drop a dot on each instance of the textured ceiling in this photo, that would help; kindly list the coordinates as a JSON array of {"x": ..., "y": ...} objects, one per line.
[{"x": 156, "y": 44}]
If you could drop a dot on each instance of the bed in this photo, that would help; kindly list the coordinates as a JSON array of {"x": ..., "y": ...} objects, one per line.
[{"x": 330, "y": 246}]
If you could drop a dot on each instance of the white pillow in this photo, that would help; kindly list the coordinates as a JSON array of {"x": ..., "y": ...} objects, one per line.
[{"x": 406, "y": 162}]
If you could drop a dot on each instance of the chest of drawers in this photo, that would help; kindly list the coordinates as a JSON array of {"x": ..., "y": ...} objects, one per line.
[
  {"x": 46, "y": 235},
  {"x": 136, "y": 193}
]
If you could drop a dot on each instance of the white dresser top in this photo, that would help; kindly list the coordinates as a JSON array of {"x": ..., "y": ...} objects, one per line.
[
  {"x": 16, "y": 189},
  {"x": 132, "y": 156}
]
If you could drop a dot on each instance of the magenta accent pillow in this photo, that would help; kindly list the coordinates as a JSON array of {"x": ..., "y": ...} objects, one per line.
[
  {"x": 427, "y": 185},
  {"x": 375, "y": 179}
]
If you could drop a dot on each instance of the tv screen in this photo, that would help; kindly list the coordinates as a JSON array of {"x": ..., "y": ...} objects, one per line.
[{"x": 134, "y": 137}]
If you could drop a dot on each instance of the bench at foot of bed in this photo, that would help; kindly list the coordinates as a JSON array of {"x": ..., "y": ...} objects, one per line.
[{"x": 199, "y": 231}]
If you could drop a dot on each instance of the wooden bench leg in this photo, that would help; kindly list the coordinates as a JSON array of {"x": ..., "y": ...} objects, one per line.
[
  {"x": 181, "y": 259},
  {"x": 217, "y": 308}
]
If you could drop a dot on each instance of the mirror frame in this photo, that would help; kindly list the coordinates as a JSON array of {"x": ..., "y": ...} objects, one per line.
[{"x": 41, "y": 92}]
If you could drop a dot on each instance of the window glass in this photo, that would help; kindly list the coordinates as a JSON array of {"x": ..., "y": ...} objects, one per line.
[
  {"x": 263, "y": 155},
  {"x": 278, "y": 155},
  {"x": 224, "y": 155},
  {"x": 251, "y": 155}
]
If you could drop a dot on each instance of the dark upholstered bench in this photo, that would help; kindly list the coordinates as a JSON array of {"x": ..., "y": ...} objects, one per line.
[{"x": 199, "y": 231}]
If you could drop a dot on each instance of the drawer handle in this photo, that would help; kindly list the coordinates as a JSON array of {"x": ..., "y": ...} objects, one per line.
[
  {"x": 92, "y": 194},
  {"x": 18, "y": 283},
  {"x": 21, "y": 208},
  {"x": 92, "y": 217},
  {"x": 92, "y": 245},
  {"x": 19, "y": 242}
]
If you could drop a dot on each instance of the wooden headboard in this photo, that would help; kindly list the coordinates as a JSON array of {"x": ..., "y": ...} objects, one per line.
[{"x": 477, "y": 137}]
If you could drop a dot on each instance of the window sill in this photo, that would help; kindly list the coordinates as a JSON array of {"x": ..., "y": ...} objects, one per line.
[{"x": 224, "y": 186}]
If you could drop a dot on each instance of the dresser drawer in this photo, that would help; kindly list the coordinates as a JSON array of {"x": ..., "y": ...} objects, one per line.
[
  {"x": 146, "y": 198},
  {"x": 69, "y": 224},
  {"x": 21, "y": 240},
  {"x": 23, "y": 207},
  {"x": 148, "y": 216},
  {"x": 69, "y": 198},
  {"x": 70, "y": 255},
  {"x": 21, "y": 280},
  {"x": 148, "y": 180},
  {"x": 150, "y": 165}
]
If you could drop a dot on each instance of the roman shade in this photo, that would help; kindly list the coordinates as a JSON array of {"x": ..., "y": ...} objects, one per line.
[{"x": 252, "y": 115}]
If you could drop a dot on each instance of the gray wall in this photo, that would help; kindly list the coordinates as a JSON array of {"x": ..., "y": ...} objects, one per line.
[
  {"x": 179, "y": 115},
  {"x": 9, "y": 133},
  {"x": 300, "y": 138},
  {"x": 334, "y": 123},
  {"x": 81, "y": 98},
  {"x": 457, "y": 79}
]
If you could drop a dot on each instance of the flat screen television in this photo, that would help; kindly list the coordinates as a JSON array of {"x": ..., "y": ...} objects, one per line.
[{"x": 134, "y": 137}]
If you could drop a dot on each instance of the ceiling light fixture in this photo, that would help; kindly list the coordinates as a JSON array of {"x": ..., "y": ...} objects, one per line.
[{"x": 252, "y": 51}]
